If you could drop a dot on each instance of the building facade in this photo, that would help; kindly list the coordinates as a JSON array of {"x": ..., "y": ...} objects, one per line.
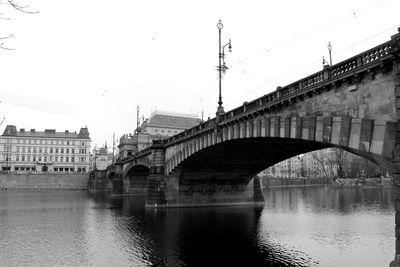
[
  {"x": 101, "y": 158},
  {"x": 47, "y": 151},
  {"x": 315, "y": 164},
  {"x": 160, "y": 125}
]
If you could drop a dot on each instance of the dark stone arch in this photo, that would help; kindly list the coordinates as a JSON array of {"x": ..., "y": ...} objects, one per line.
[
  {"x": 222, "y": 171},
  {"x": 135, "y": 180}
]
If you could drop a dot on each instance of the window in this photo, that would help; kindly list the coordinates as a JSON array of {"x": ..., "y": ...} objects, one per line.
[
  {"x": 44, "y": 158},
  {"x": 40, "y": 149},
  {"x": 83, "y": 143},
  {"x": 23, "y": 158},
  {"x": 17, "y": 158},
  {"x": 72, "y": 159},
  {"x": 40, "y": 158},
  {"x": 51, "y": 150},
  {"x": 50, "y": 158},
  {"x": 29, "y": 149},
  {"x": 57, "y": 150},
  {"x": 67, "y": 159},
  {"x": 56, "y": 158},
  {"x": 17, "y": 148},
  {"x": 34, "y": 149},
  {"x": 67, "y": 150},
  {"x": 23, "y": 149},
  {"x": 28, "y": 158},
  {"x": 72, "y": 150},
  {"x": 62, "y": 150},
  {"x": 67, "y": 144},
  {"x": 34, "y": 158},
  {"x": 61, "y": 159},
  {"x": 81, "y": 159}
]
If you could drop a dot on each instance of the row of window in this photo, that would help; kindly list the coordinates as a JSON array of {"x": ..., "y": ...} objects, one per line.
[
  {"x": 56, "y": 169},
  {"x": 45, "y": 142},
  {"x": 28, "y": 158},
  {"x": 165, "y": 131},
  {"x": 46, "y": 150}
]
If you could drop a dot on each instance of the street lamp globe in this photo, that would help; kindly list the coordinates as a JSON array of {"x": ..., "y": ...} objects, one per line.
[
  {"x": 220, "y": 25},
  {"x": 329, "y": 46}
]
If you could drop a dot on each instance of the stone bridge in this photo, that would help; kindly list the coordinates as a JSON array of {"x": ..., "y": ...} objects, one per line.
[{"x": 353, "y": 105}]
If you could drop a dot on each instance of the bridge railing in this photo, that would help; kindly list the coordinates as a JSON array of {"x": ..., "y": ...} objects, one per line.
[{"x": 357, "y": 63}]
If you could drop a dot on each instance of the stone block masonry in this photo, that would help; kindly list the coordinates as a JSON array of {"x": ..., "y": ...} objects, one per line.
[{"x": 44, "y": 181}]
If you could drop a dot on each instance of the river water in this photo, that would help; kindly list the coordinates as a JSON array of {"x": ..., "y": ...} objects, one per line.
[{"x": 309, "y": 226}]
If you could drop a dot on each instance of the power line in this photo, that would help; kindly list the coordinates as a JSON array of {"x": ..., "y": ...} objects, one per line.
[
  {"x": 311, "y": 64},
  {"x": 308, "y": 33}
]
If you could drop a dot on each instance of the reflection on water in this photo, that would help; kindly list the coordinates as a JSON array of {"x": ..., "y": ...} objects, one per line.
[{"x": 314, "y": 226}]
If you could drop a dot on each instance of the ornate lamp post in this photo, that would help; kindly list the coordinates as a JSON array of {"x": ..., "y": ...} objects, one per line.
[
  {"x": 330, "y": 53},
  {"x": 221, "y": 67}
]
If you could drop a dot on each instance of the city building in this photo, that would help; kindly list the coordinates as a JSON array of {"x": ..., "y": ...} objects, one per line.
[
  {"x": 316, "y": 164},
  {"x": 101, "y": 158},
  {"x": 160, "y": 125},
  {"x": 44, "y": 151}
]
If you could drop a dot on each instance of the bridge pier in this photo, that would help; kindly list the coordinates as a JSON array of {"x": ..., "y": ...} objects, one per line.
[
  {"x": 98, "y": 181},
  {"x": 117, "y": 181},
  {"x": 156, "y": 179}
]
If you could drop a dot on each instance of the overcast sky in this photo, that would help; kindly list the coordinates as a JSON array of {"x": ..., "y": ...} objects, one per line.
[{"x": 90, "y": 63}]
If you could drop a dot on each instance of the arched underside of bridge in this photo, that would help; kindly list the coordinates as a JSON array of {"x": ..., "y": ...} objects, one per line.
[
  {"x": 221, "y": 173},
  {"x": 135, "y": 180}
]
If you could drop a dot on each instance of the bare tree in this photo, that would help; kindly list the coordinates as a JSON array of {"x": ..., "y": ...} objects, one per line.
[{"x": 17, "y": 6}]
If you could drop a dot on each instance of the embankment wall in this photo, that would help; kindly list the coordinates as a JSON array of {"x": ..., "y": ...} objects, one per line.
[
  {"x": 278, "y": 182},
  {"x": 44, "y": 181}
]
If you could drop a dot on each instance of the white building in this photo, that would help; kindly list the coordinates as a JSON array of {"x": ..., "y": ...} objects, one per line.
[
  {"x": 101, "y": 159},
  {"x": 160, "y": 125},
  {"x": 47, "y": 151}
]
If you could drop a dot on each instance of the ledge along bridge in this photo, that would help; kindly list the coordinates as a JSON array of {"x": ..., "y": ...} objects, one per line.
[{"x": 353, "y": 105}]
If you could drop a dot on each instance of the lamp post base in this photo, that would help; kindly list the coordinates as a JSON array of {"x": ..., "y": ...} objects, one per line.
[{"x": 220, "y": 111}]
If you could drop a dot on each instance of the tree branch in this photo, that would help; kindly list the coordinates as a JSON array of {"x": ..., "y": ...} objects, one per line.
[{"x": 21, "y": 8}]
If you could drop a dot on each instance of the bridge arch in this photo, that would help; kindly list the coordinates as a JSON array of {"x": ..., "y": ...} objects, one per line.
[
  {"x": 111, "y": 174},
  {"x": 135, "y": 176},
  {"x": 240, "y": 149}
]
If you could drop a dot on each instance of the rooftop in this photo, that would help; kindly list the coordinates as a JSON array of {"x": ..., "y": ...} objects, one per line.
[
  {"x": 173, "y": 120},
  {"x": 11, "y": 130}
]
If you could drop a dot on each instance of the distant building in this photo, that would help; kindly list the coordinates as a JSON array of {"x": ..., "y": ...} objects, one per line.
[
  {"x": 101, "y": 158},
  {"x": 47, "y": 151},
  {"x": 160, "y": 125},
  {"x": 315, "y": 164}
]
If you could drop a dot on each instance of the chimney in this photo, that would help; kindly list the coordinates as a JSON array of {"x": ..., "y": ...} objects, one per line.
[{"x": 22, "y": 130}]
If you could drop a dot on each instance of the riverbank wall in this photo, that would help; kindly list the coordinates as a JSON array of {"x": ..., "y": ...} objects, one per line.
[
  {"x": 288, "y": 182},
  {"x": 44, "y": 181},
  {"x": 367, "y": 182}
]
